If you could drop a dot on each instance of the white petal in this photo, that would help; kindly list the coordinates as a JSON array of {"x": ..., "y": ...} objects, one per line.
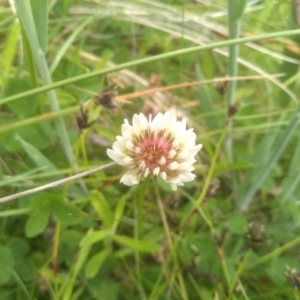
[
  {"x": 155, "y": 124},
  {"x": 126, "y": 127},
  {"x": 156, "y": 171},
  {"x": 172, "y": 122},
  {"x": 162, "y": 160},
  {"x": 182, "y": 126},
  {"x": 183, "y": 166},
  {"x": 136, "y": 125},
  {"x": 143, "y": 121},
  {"x": 195, "y": 149},
  {"x": 130, "y": 179},
  {"x": 127, "y": 135},
  {"x": 166, "y": 129},
  {"x": 142, "y": 165},
  {"x": 172, "y": 153},
  {"x": 173, "y": 186},
  {"x": 146, "y": 173},
  {"x": 176, "y": 142},
  {"x": 117, "y": 157},
  {"x": 173, "y": 165},
  {"x": 183, "y": 154},
  {"x": 137, "y": 150},
  {"x": 129, "y": 145},
  {"x": 128, "y": 160},
  {"x": 165, "y": 120},
  {"x": 163, "y": 175}
]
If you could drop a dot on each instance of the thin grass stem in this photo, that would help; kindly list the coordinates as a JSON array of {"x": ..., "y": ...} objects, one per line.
[
  {"x": 271, "y": 161},
  {"x": 234, "y": 26},
  {"x": 55, "y": 183},
  {"x": 150, "y": 59},
  {"x": 172, "y": 247},
  {"x": 206, "y": 183}
]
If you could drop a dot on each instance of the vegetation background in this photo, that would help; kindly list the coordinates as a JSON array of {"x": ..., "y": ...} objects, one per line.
[{"x": 233, "y": 233}]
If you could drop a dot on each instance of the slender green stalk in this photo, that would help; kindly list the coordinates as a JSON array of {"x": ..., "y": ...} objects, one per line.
[
  {"x": 82, "y": 257},
  {"x": 22, "y": 285},
  {"x": 279, "y": 147},
  {"x": 277, "y": 251},
  {"x": 212, "y": 230},
  {"x": 234, "y": 26},
  {"x": 70, "y": 110},
  {"x": 40, "y": 118},
  {"x": 14, "y": 212},
  {"x": 26, "y": 17},
  {"x": 68, "y": 43},
  {"x": 149, "y": 60},
  {"x": 25, "y": 14},
  {"x": 55, "y": 253},
  {"x": 206, "y": 101},
  {"x": 172, "y": 247},
  {"x": 238, "y": 272},
  {"x": 206, "y": 183},
  {"x": 138, "y": 231}
]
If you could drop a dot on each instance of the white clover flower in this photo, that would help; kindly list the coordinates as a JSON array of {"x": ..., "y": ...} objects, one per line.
[{"x": 161, "y": 147}]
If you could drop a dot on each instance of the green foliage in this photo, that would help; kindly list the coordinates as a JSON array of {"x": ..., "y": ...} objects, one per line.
[
  {"x": 28, "y": 105},
  {"x": 95, "y": 262},
  {"x": 7, "y": 264},
  {"x": 232, "y": 233}
]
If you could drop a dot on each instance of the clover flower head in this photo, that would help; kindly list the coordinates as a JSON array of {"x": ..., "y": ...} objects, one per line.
[{"x": 161, "y": 147}]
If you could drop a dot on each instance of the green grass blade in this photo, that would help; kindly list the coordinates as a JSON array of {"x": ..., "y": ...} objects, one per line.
[
  {"x": 150, "y": 59},
  {"x": 26, "y": 17},
  {"x": 68, "y": 43},
  {"x": 37, "y": 156},
  {"x": 259, "y": 157},
  {"x": 9, "y": 50},
  {"x": 235, "y": 11},
  {"x": 292, "y": 179},
  {"x": 271, "y": 161},
  {"x": 40, "y": 15},
  {"x": 206, "y": 101}
]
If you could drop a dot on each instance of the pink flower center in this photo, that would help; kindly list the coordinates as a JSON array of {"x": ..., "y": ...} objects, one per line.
[{"x": 153, "y": 150}]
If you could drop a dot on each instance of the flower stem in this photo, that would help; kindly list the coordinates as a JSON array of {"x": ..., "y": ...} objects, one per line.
[{"x": 171, "y": 246}]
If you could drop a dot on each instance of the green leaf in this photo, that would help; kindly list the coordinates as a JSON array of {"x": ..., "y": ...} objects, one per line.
[
  {"x": 42, "y": 200},
  {"x": 9, "y": 50},
  {"x": 143, "y": 246},
  {"x": 237, "y": 224},
  {"x": 102, "y": 208},
  {"x": 71, "y": 237},
  {"x": 37, "y": 156},
  {"x": 67, "y": 44},
  {"x": 37, "y": 223},
  {"x": 20, "y": 177},
  {"x": 40, "y": 16},
  {"x": 7, "y": 263},
  {"x": 67, "y": 213},
  {"x": 237, "y": 8},
  {"x": 81, "y": 259},
  {"x": 32, "y": 134},
  {"x": 95, "y": 262},
  {"x": 94, "y": 237},
  {"x": 18, "y": 246},
  {"x": 26, "y": 106},
  {"x": 119, "y": 213},
  {"x": 25, "y": 268},
  {"x": 206, "y": 100}
]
